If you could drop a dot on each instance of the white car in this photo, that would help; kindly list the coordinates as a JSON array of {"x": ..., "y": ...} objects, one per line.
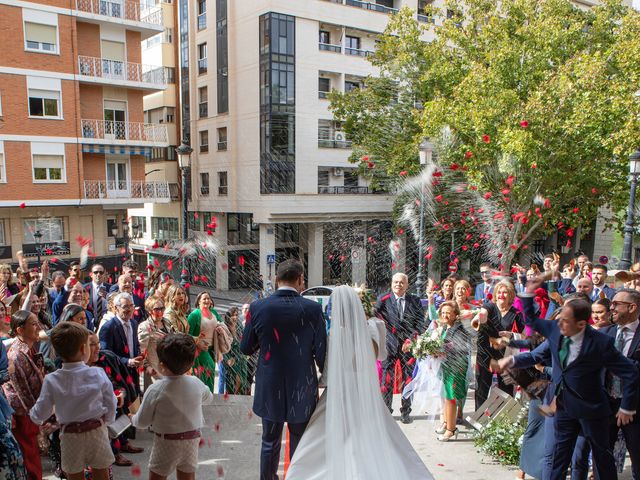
[{"x": 319, "y": 294}]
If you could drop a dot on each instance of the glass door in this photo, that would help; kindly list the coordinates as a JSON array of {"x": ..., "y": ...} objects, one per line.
[
  {"x": 118, "y": 185},
  {"x": 115, "y": 117}
]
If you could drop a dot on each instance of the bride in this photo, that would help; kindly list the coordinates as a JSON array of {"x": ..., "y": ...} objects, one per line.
[{"x": 351, "y": 434}]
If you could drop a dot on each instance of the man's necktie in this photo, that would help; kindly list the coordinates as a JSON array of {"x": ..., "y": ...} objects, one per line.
[
  {"x": 99, "y": 309},
  {"x": 401, "y": 308},
  {"x": 564, "y": 351},
  {"x": 127, "y": 329},
  {"x": 596, "y": 294},
  {"x": 615, "y": 388}
]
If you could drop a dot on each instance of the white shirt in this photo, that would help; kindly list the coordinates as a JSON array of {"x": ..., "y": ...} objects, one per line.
[
  {"x": 288, "y": 288},
  {"x": 173, "y": 405},
  {"x": 628, "y": 332},
  {"x": 575, "y": 346},
  {"x": 78, "y": 392},
  {"x": 128, "y": 331},
  {"x": 401, "y": 304}
]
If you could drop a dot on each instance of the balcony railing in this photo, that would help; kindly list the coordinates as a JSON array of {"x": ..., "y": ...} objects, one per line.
[
  {"x": 358, "y": 52},
  {"x": 425, "y": 18},
  {"x": 327, "y": 143},
  {"x": 371, "y": 6},
  {"x": 203, "y": 110},
  {"x": 123, "y": 9},
  {"x": 123, "y": 132},
  {"x": 323, "y": 94},
  {"x": 125, "y": 71},
  {"x": 329, "y": 47},
  {"x": 222, "y": 145},
  {"x": 174, "y": 191},
  {"x": 342, "y": 190},
  {"x": 111, "y": 189}
]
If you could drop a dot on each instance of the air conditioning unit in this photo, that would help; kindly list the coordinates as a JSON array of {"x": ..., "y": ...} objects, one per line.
[
  {"x": 339, "y": 136},
  {"x": 337, "y": 172}
]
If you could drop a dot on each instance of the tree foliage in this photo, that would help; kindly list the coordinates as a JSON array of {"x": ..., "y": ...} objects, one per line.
[{"x": 540, "y": 91}]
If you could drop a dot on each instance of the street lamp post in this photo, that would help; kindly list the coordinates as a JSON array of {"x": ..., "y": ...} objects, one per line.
[
  {"x": 634, "y": 171},
  {"x": 125, "y": 239},
  {"x": 37, "y": 235},
  {"x": 425, "y": 147},
  {"x": 184, "y": 152}
]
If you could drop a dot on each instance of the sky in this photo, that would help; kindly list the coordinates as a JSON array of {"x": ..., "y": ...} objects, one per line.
[{"x": 636, "y": 4}]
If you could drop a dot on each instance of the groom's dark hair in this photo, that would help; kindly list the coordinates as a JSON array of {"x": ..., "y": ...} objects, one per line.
[{"x": 289, "y": 270}]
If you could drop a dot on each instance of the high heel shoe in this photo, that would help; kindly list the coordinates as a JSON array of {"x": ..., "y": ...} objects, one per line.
[
  {"x": 441, "y": 429},
  {"x": 446, "y": 438}
]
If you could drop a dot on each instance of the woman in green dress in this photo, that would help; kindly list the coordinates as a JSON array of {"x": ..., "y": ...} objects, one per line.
[
  {"x": 213, "y": 339},
  {"x": 454, "y": 367},
  {"x": 236, "y": 371}
]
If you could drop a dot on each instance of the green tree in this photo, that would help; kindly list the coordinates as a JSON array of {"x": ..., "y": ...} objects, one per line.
[{"x": 542, "y": 93}]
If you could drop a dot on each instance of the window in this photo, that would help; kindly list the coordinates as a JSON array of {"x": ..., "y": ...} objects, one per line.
[
  {"x": 0, "y": 105},
  {"x": 164, "y": 228},
  {"x": 422, "y": 14},
  {"x": 222, "y": 138},
  {"x": 204, "y": 183},
  {"x": 203, "y": 102},
  {"x": 325, "y": 37},
  {"x": 163, "y": 154},
  {"x": 350, "y": 177},
  {"x": 222, "y": 57},
  {"x": 323, "y": 177},
  {"x": 241, "y": 230},
  {"x": 167, "y": 35},
  {"x": 350, "y": 85},
  {"x": 44, "y": 103},
  {"x": 352, "y": 45},
  {"x": 40, "y": 38},
  {"x": 140, "y": 223},
  {"x": 3, "y": 177},
  {"x": 208, "y": 222},
  {"x": 48, "y": 168},
  {"x": 287, "y": 232},
  {"x": 112, "y": 226},
  {"x": 204, "y": 140},
  {"x": 202, "y": 58},
  {"x": 170, "y": 114},
  {"x": 324, "y": 87},
  {"x": 223, "y": 185},
  {"x": 51, "y": 228},
  {"x": 202, "y": 14},
  {"x": 3, "y": 238}
]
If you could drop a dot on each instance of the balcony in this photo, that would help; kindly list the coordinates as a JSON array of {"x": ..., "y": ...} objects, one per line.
[
  {"x": 110, "y": 72},
  {"x": 371, "y": 6},
  {"x": 123, "y": 192},
  {"x": 327, "y": 143},
  {"x": 147, "y": 19},
  {"x": 327, "y": 47},
  {"x": 342, "y": 190},
  {"x": 357, "y": 52},
  {"x": 124, "y": 133}
]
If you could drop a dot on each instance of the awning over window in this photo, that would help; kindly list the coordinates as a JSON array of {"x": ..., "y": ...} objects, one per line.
[{"x": 117, "y": 150}]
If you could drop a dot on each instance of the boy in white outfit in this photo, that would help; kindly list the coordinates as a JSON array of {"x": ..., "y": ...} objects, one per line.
[
  {"x": 172, "y": 407},
  {"x": 84, "y": 404}
]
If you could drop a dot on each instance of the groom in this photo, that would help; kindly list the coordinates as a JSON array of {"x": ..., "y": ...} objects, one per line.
[{"x": 290, "y": 333}]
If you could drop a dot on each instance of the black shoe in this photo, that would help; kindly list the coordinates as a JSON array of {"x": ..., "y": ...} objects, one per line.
[{"x": 406, "y": 419}]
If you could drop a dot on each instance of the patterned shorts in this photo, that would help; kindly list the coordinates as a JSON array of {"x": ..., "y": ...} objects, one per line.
[
  {"x": 167, "y": 456},
  {"x": 88, "y": 449}
]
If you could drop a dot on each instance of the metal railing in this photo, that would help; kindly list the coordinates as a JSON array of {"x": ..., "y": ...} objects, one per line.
[
  {"x": 116, "y": 70},
  {"x": 358, "y": 52},
  {"x": 174, "y": 191},
  {"x": 202, "y": 21},
  {"x": 222, "y": 145},
  {"x": 203, "y": 110},
  {"x": 426, "y": 18},
  {"x": 124, "y": 131},
  {"x": 371, "y": 6},
  {"x": 342, "y": 190},
  {"x": 323, "y": 94},
  {"x": 112, "y": 189},
  {"x": 328, "y": 47},
  {"x": 123, "y": 9},
  {"x": 327, "y": 143}
]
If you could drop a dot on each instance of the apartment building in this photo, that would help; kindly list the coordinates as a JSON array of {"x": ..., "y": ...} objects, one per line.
[
  {"x": 73, "y": 132},
  {"x": 160, "y": 222}
]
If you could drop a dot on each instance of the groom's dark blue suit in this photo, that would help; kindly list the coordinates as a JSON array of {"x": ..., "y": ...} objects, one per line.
[{"x": 290, "y": 333}]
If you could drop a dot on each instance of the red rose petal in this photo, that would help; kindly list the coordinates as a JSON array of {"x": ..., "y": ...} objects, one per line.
[
  {"x": 486, "y": 139},
  {"x": 136, "y": 471}
]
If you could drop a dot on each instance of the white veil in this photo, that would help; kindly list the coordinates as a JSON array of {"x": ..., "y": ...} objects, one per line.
[{"x": 364, "y": 442}]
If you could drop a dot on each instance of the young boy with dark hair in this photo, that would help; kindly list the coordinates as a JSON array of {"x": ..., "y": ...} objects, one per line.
[
  {"x": 172, "y": 407},
  {"x": 84, "y": 404}
]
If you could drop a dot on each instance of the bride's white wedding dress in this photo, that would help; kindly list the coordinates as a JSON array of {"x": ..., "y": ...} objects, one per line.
[{"x": 351, "y": 434}]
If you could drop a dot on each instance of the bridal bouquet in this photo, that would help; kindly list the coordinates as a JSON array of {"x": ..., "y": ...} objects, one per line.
[{"x": 429, "y": 344}]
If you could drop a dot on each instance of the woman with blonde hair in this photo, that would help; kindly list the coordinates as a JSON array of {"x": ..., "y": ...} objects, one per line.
[
  {"x": 151, "y": 331},
  {"x": 8, "y": 287},
  {"x": 177, "y": 307}
]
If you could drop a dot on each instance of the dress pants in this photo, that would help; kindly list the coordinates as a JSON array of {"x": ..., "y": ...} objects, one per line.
[
  {"x": 595, "y": 432},
  {"x": 484, "y": 377},
  {"x": 388, "y": 369},
  {"x": 271, "y": 443},
  {"x": 26, "y": 434}
]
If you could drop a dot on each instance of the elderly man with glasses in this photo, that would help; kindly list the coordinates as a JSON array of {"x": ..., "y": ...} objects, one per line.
[
  {"x": 120, "y": 335},
  {"x": 98, "y": 289}
]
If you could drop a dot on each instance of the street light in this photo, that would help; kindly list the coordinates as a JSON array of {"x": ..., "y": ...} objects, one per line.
[
  {"x": 425, "y": 148},
  {"x": 634, "y": 171},
  {"x": 37, "y": 236},
  {"x": 184, "y": 152},
  {"x": 125, "y": 238}
]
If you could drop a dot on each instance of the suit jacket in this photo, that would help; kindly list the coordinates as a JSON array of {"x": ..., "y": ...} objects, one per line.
[
  {"x": 113, "y": 337},
  {"x": 91, "y": 307},
  {"x": 608, "y": 291},
  {"x": 413, "y": 320},
  {"x": 290, "y": 333},
  {"x": 139, "y": 314},
  {"x": 479, "y": 293},
  {"x": 583, "y": 393},
  {"x": 633, "y": 354},
  {"x": 496, "y": 323}
]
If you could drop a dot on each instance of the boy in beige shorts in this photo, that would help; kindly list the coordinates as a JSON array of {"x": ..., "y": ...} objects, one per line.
[
  {"x": 84, "y": 404},
  {"x": 172, "y": 407}
]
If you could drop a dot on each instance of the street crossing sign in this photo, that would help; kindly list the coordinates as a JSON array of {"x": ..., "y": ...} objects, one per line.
[{"x": 271, "y": 259}]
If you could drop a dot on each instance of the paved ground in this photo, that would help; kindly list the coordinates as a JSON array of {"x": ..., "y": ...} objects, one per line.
[{"x": 232, "y": 442}]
